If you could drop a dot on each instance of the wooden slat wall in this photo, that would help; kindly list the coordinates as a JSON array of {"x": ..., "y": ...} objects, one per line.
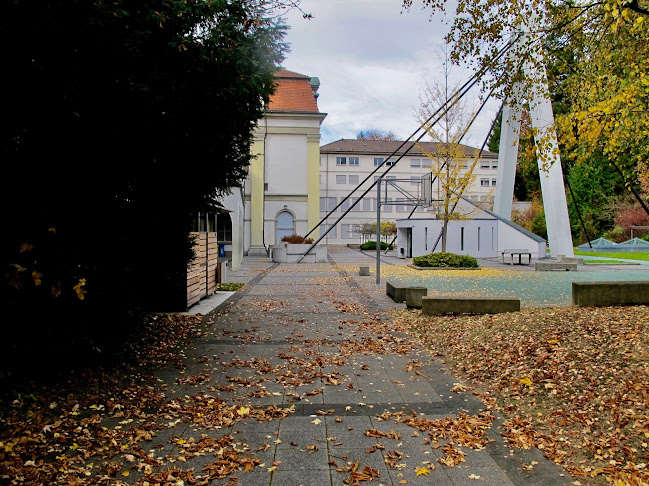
[{"x": 201, "y": 273}]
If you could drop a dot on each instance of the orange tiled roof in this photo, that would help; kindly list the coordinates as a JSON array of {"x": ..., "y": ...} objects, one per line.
[{"x": 293, "y": 93}]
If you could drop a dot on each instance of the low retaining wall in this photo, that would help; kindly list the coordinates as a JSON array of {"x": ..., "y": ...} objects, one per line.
[
  {"x": 437, "y": 305},
  {"x": 601, "y": 294}
]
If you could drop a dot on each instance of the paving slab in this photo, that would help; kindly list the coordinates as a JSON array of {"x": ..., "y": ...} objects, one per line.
[{"x": 315, "y": 339}]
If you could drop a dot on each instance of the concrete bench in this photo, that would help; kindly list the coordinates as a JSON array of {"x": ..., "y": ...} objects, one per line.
[
  {"x": 396, "y": 291},
  {"x": 437, "y": 305},
  {"x": 414, "y": 296},
  {"x": 550, "y": 266},
  {"x": 565, "y": 259},
  {"x": 515, "y": 251},
  {"x": 601, "y": 294}
]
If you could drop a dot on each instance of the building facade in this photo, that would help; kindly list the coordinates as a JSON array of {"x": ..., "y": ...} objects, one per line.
[
  {"x": 346, "y": 164},
  {"x": 282, "y": 191}
]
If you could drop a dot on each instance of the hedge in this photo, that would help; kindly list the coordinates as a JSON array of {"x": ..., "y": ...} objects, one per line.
[{"x": 450, "y": 260}]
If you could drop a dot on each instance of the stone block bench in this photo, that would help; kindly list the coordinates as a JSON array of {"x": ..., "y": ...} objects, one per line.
[
  {"x": 550, "y": 266},
  {"x": 437, "y": 305},
  {"x": 396, "y": 291},
  {"x": 565, "y": 259},
  {"x": 414, "y": 296},
  {"x": 601, "y": 294}
]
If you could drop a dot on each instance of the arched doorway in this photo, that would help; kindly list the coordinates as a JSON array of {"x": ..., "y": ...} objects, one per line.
[{"x": 285, "y": 225}]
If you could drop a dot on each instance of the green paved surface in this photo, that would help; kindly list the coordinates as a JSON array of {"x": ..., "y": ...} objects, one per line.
[{"x": 535, "y": 289}]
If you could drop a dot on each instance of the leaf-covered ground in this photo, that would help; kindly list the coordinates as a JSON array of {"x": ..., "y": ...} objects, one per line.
[
  {"x": 56, "y": 434},
  {"x": 573, "y": 382}
]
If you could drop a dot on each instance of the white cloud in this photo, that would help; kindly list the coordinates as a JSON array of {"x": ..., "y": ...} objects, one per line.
[{"x": 372, "y": 59}]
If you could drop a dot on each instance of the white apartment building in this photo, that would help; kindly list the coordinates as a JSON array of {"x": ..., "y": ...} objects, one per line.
[{"x": 345, "y": 164}]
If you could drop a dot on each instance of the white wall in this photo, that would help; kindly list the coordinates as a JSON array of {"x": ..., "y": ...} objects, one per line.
[
  {"x": 286, "y": 167},
  {"x": 511, "y": 238},
  {"x": 494, "y": 235},
  {"x": 234, "y": 203},
  {"x": 462, "y": 237},
  {"x": 403, "y": 170}
]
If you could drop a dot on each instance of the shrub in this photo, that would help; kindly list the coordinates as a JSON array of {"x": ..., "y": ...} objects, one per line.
[
  {"x": 229, "y": 286},
  {"x": 371, "y": 245},
  {"x": 297, "y": 240},
  {"x": 450, "y": 260}
]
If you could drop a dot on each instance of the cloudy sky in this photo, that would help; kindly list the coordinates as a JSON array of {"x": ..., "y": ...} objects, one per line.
[{"x": 372, "y": 59}]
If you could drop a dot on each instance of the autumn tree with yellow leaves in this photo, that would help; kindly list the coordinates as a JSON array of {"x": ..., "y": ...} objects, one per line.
[
  {"x": 604, "y": 80},
  {"x": 453, "y": 171}
]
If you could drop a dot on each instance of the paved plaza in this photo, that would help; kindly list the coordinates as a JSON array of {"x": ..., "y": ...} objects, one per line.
[{"x": 312, "y": 341}]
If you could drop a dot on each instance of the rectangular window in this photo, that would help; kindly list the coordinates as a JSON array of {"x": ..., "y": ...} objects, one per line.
[
  {"x": 493, "y": 182},
  {"x": 415, "y": 162},
  {"x": 327, "y": 203},
  {"x": 341, "y": 179},
  {"x": 391, "y": 162},
  {"x": 332, "y": 234},
  {"x": 378, "y": 161},
  {"x": 201, "y": 222},
  {"x": 358, "y": 204},
  {"x": 353, "y": 161},
  {"x": 353, "y": 179},
  {"x": 402, "y": 205},
  {"x": 345, "y": 205},
  {"x": 485, "y": 164},
  {"x": 385, "y": 207},
  {"x": 484, "y": 182},
  {"x": 349, "y": 231},
  {"x": 494, "y": 165},
  {"x": 369, "y": 204},
  {"x": 462, "y": 238},
  {"x": 341, "y": 160},
  {"x": 426, "y": 163}
]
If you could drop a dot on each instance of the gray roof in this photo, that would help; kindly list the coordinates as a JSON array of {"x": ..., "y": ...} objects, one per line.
[
  {"x": 508, "y": 222},
  {"x": 598, "y": 243},
  {"x": 385, "y": 148},
  {"x": 634, "y": 242}
]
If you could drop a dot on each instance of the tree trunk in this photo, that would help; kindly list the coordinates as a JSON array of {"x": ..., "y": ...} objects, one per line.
[{"x": 444, "y": 228}]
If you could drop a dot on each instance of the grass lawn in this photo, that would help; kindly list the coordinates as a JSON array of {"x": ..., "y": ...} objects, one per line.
[
  {"x": 604, "y": 262},
  {"x": 573, "y": 382},
  {"x": 630, "y": 255}
]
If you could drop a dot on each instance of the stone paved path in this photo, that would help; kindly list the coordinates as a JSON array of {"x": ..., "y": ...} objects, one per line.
[{"x": 315, "y": 338}]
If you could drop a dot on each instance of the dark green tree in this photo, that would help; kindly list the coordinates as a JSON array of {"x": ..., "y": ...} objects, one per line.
[{"x": 120, "y": 119}]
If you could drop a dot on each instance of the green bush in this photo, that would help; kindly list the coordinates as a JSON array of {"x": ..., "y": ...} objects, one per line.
[
  {"x": 450, "y": 260},
  {"x": 371, "y": 245},
  {"x": 228, "y": 286}
]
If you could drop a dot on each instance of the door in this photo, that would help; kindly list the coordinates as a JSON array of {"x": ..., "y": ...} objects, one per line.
[{"x": 285, "y": 225}]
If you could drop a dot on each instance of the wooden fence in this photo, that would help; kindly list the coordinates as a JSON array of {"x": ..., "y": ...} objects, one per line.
[{"x": 201, "y": 273}]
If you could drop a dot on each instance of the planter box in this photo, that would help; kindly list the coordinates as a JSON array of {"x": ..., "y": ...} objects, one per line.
[{"x": 291, "y": 253}]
